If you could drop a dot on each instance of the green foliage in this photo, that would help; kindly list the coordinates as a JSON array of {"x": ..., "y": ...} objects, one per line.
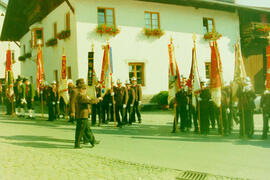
[{"x": 161, "y": 98}]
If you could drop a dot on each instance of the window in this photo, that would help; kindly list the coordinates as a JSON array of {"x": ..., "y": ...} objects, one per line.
[
  {"x": 106, "y": 16},
  {"x": 208, "y": 70},
  {"x": 152, "y": 20},
  {"x": 208, "y": 25},
  {"x": 68, "y": 21},
  {"x": 37, "y": 34},
  {"x": 137, "y": 70},
  {"x": 69, "y": 72},
  {"x": 55, "y": 30}
]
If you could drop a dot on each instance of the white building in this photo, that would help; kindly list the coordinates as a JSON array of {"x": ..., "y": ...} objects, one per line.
[
  {"x": 132, "y": 50},
  {"x": 15, "y": 49}
]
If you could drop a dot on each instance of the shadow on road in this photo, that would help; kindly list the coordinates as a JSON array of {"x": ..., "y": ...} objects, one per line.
[{"x": 37, "y": 141}]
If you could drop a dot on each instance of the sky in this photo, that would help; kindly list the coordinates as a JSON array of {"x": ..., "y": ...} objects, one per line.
[{"x": 259, "y": 3}]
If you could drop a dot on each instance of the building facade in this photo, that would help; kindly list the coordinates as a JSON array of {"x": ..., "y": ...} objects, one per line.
[
  {"x": 134, "y": 53},
  {"x": 15, "y": 49}
]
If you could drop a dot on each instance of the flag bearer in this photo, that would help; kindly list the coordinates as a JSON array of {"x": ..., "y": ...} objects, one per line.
[{"x": 52, "y": 103}]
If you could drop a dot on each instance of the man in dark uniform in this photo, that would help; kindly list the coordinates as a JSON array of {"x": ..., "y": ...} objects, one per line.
[
  {"x": 30, "y": 95},
  {"x": 125, "y": 101},
  {"x": 192, "y": 112},
  {"x": 204, "y": 99},
  {"x": 182, "y": 104},
  {"x": 265, "y": 105},
  {"x": 96, "y": 108},
  {"x": 130, "y": 103},
  {"x": 246, "y": 107},
  {"x": 138, "y": 100},
  {"x": 20, "y": 97},
  {"x": 105, "y": 108},
  {"x": 82, "y": 128},
  {"x": 119, "y": 93},
  {"x": 52, "y": 102}
]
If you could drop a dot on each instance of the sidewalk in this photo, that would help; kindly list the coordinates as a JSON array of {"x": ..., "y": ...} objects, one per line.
[{"x": 36, "y": 149}]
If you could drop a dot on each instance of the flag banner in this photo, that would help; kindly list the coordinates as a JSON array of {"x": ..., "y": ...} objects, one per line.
[
  {"x": 174, "y": 75},
  {"x": 90, "y": 68},
  {"x": 91, "y": 77},
  {"x": 194, "y": 79},
  {"x": 9, "y": 75},
  {"x": 64, "y": 67},
  {"x": 215, "y": 75},
  {"x": 268, "y": 68},
  {"x": 239, "y": 72},
  {"x": 40, "y": 70},
  {"x": 106, "y": 71},
  {"x": 63, "y": 85}
]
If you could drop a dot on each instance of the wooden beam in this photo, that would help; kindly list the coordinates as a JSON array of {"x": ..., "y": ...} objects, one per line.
[
  {"x": 70, "y": 6},
  {"x": 17, "y": 44}
]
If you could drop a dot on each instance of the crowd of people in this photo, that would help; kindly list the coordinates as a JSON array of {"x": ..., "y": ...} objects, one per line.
[
  {"x": 119, "y": 104},
  {"x": 202, "y": 113}
]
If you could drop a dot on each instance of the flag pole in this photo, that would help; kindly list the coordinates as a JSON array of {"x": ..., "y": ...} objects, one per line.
[
  {"x": 113, "y": 100},
  {"x": 41, "y": 87}
]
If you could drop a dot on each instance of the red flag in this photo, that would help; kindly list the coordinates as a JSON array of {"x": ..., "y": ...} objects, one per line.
[
  {"x": 268, "y": 68},
  {"x": 63, "y": 85},
  {"x": 106, "y": 71},
  {"x": 216, "y": 75},
  {"x": 9, "y": 75},
  {"x": 64, "y": 67},
  {"x": 40, "y": 70}
]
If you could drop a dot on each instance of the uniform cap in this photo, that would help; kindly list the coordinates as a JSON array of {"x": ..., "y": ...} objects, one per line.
[
  {"x": 79, "y": 81},
  {"x": 69, "y": 81},
  {"x": 119, "y": 81},
  {"x": 127, "y": 82},
  {"x": 54, "y": 82},
  {"x": 133, "y": 79}
]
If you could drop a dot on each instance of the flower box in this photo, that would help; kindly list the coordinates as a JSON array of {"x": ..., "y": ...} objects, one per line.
[
  {"x": 21, "y": 58},
  {"x": 63, "y": 34},
  {"x": 28, "y": 55},
  {"x": 153, "y": 32},
  {"x": 51, "y": 42},
  {"x": 107, "y": 29},
  {"x": 210, "y": 35}
]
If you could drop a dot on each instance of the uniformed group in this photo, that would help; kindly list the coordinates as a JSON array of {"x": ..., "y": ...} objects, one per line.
[
  {"x": 22, "y": 99},
  {"x": 202, "y": 113},
  {"x": 120, "y": 104}
]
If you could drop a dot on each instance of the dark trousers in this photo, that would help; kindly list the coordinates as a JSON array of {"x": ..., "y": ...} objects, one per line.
[
  {"x": 194, "y": 117},
  {"x": 128, "y": 113},
  {"x": 83, "y": 130},
  {"x": 9, "y": 107},
  {"x": 118, "y": 112},
  {"x": 175, "y": 120},
  {"x": 96, "y": 111},
  {"x": 266, "y": 117},
  {"x": 105, "y": 113},
  {"x": 247, "y": 120},
  {"x": 189, "y": 116},
  {"x": 183, "y": 117},
  {"x": 225, "y": 121},
  {"x": 204, "y": 117},
  {"x": 111, "y": 109},
  {"x": 136, "y": 110},
  {"x": 52, "y": 112},
  {"x": 213, "y": 114}
]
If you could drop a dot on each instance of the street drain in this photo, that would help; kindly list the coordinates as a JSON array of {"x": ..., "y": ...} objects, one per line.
[{"x": 190, "y": 175}]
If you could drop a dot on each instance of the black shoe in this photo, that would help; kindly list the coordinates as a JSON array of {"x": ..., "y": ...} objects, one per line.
[{"x": 173, "y": 131}]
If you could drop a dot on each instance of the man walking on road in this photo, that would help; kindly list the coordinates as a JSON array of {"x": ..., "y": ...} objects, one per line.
[{"x": 82, "y": 128}]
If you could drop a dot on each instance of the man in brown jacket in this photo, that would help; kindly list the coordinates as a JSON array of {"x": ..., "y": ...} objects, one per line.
[
  {"x": 73, "y": 97},
  {"x": 82, "y": 128},
  {"x": 138, "y": 99}
]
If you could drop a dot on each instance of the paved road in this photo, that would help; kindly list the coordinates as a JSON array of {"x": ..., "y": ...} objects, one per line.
[{"x": 36, "y": 149}]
